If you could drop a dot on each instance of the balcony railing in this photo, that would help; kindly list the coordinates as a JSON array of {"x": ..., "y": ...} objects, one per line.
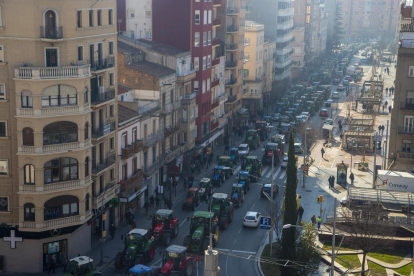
[
  {"x": 232, "y": 11},
  {"x": 170, "y": 130},
  {"x": 53, "y": 111},
  {"x": 231, "y": 46},
  {"x": 133, "y": 181},
  {"x": 231, "y": 99},
  {"x": 150, "y": 140},
  {"x": 58, "y": 186},
  {"x": 51, "y": 33},
  {"x": 103, "y": 130},
  {"x": 215, "y": 104},
  {"x": 231, "y": 64},
  {"x": 101, "y": 97},
  {"x": 55, "y": 148},
  {"x": 189, "y": 96},
  {"x": 216, "y": 41},
  {"x": 103, "y": 63},
  {"x": 160, "y": 135},
  {"x": 138, "y": 146},
  {"x": 406, "y": 106},
  {"x": 172, "y": 153},
  {"x": 406, "y": 155},
  {"x": 36, "y": 73},
  {"x": 148, "y": 170},
  {"x": 105, "y": 163},
  {"x": 215, "y": 82},
  {"x": 214, "y": 125},
  {"x": 231, "y": 81},
  {"x": 55, "y": 223},
  {"x": 104, "y": 196},
  {"x": 232, "y": 28},
  {"x": 246, "y": 41},
  {"x": 127, "y": 152},
  {"x": 167, "y": 109},
  {"x": 216, "y": 61},
  {"x": 216, "y": 21}
]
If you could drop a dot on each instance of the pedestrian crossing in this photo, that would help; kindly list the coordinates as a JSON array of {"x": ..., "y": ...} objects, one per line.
[{"x": 278, "y": 173}]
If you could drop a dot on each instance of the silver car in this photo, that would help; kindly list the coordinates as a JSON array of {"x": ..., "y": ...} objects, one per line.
[{"x": 244, "y": 149}]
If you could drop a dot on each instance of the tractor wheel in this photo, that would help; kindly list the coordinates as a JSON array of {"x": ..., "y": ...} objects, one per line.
[
  {"x": 216, "y": 231},
  {"x": 118, "y": 260},
  {"x": 166, "y": 238},
  {"x": 188, "y": 268},
  {"x": 176, "y": 229},
  {"x": 151, "y": 252},
  {"x": 187, "y": 241},
  {"x": 223, "y": 223}
]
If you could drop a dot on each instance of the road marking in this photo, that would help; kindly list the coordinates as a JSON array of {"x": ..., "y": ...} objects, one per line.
[
  {"x": 197, "y": 206},
  {"x": 197, "y": 268},
  {"x": 240, "y": 230},
  {"x": 157, "y": 262},
  {"x": 268, "y": 175},
  {"x": 282, "y": 175},
  {"x": 226, "y": 264},
  {"x": 244, "y": 252},
  {"x": 234, "y": 241},
  {"x": 276, "y": 173},
  {"x": 253, "y": 206},
  {"x": 238, "y": 168},
  {"x": 183, "y": 222},
  {"x": 265, "y": 169}
]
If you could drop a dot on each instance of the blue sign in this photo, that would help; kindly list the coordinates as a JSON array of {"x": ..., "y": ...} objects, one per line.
[{"x": 265, "y": 222}]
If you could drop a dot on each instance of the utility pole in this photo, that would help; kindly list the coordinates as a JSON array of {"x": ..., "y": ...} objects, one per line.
[
  {"x": 304, "y": 161},
  {"x": 375, "y": 160},
  {"x": 333, "y": 242},
  {"x": 271, "y": 210},
  {"x": 386, "y": 143}
]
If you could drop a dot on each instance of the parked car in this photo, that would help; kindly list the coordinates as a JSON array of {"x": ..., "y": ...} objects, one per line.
[
  {"x": 284, "y": 161},
  {"x": 323, "y": 112},
  {"x": 328, "y": 103},
  {"x": 266, "y": 189},
  {"x": 298, "y": 148},
  {"x": 252, "y": 219},
  {"x": 340, "y": 87},
  {"x": 335, "y": 95}
]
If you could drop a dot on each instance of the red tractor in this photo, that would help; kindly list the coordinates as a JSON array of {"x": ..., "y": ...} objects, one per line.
[
  {"x": 164, "y": 226},
  {"x": 263, "y": 129},
  {"x": 175, "y": 261}
]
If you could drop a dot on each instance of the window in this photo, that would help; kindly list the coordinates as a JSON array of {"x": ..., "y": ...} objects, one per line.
[
  {"x": 85, "y": 95},
  {"x": 3, "y": 129},
  {"x": 99, "y": 17},
  {"x": 124, "y": 172},
  {"x": 4, "y": 168},
  {"x": 29, "y": 173},
  {"x": 184, "y": 115},
  {"x": 124, "y": 140},
  {"x": 60, "y": 132},
  {"x": 110, "y": 17},
  {"x": 205, "y": 17},
  {"x": 87, "y": 166},
  {"x": 60, "y": 169},
  {"x": 406, "y": 145},
  {"x": 197, "y": 17},
  {"x": 131, "y": 14},
  {"x": 2, "y": 91},
  {"x": 79, "y": 19},
  {"x": 196, "y": 39},
  {"x": 112, "y": 110},
  {"x": 28, "y": 136},
  {"x": 196, "y": 63},
  {"x": 208, "y": 84},
  {"x": 80, "y": 53},
  {"x": 29, "y": 212},
  {"x": 26, "y": 99},
  {"x": 209, "y": 38},
  {"x": 209, "y": 61},
  {"x": 87, "y": 203},
  {"x": 91, "y": 18},
  {"x": 204, "y": 63},
  {"x": 61, "y": 206},
  {"x": 411, "y": 72},
  {"x": 111, "y": 79},
  {"x": 112, "y": 142},
  {"x": 209, "y": 16},
  {"x": 408, "y": 124},
  {"x": 111, "y": 47},
  {"x": 132, "y": 34},
  {"x": 86, "y": 131},
  {"x": 148, "y": 14},
  {"x": 196, "y": 87},
  {"x": 148, "y": 34},
  {"x": 204, "y": 86},
  {"x": 59, "y": 95},
  {"x": 205, "y": 39},
  {"x": 112, "y": 174}
]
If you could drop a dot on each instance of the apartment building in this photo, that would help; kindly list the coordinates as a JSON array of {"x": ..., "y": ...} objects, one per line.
[
  {"x": 135, "y": 18},
  {"x": 368, "y": 20},
  {"x": 329, "y": 7},
  {"x": 253, "y": 67},
  {"x": 269, "y": 59},
  {"x": 400, "y": 151},
  {"x": 298, "y": 56},
  {"x": 58, "y": 129}
]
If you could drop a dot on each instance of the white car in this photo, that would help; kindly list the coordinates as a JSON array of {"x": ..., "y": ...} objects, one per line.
[
  {"x": 244, "y": 149},
  {"x": 335, "y": 95},
  {"x": 252, "y": 219},
  {"x": 284, "y": 161}
]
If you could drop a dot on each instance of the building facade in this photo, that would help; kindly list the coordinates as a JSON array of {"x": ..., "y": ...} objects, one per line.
[
  {"x": 137, "y": 15},
  {"x": 58, "y": 119}
]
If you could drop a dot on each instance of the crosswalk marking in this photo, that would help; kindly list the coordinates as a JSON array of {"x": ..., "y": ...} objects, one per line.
[
  {"x": 238, "y": 168},
  {"x": 277, "y": 172},
  {"x": 268, "y": 175},
  {"x": 282, "y": 175},
  {"x": 264, "y": 171}
]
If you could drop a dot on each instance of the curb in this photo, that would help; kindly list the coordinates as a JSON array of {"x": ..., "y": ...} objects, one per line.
[{"x": 259, "y": 254}]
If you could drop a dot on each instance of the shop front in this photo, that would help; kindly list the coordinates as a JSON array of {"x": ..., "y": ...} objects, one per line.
[
  {"x": 57, "y": 251},
  {"x": 134, "y": 200},
  {"x": 96, "y": 221}
]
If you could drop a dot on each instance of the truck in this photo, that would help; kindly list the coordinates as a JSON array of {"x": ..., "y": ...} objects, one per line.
[
  {"x": 201, "y": 223},
  {"x": 222, "y": 208},
  {"x": 252, "y": 138},
  {"x": 164, "y": 226},
  {"x": 81, "y": 266}
]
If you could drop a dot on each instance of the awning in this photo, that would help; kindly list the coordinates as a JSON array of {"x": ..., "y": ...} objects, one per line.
[
  {"x": 242, "y": 110},
  {"x": 134, "y": 195},
  {"x": 214, "y": 135}
]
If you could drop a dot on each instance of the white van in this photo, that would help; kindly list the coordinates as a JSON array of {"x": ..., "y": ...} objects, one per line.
[{"x": 335, "y": 95}]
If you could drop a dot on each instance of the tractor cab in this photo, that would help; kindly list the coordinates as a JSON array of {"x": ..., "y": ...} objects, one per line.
[
  {"x": 162, "y": 219},
  {"x": 175, "y": 259},
  {"x": 218, "y": 176},
  {"x": 140, "y": 270},
  {"x": 237, "y": 194},
  {"x": 234, "y": 155},
  {"x": 251, "y": 161},
  {"x": 205, "y": 188},
  {"x": 271, "y": 151},
  {"x": 244, "y": 176},
  {"x": 252, "y": 139},
  {"x": 192, "y": 192},
  {"x": 285, "y": 128},
  {"x": 219, "y": 202},
  {"x": 268, "y": 119},
  {"x": 81, "y": 266},
  {"x": 262, "y": 129},
  {"x": 227, "y": 163}
]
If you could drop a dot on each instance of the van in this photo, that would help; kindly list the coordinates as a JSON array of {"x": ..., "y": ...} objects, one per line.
[{"x": 335, "y": 95}]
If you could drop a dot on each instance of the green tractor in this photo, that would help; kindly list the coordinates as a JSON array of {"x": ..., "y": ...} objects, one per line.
[
  {"x": 237, "y": 195},
  {"x": 222, "y": 208},
  {"x": 201, "y": 223},
  {"x": 254, "y": 167},
  {"x": 252, "y": 139},
  {"x": 139, "y": 248},
  {"x": 81, "y": 266}
]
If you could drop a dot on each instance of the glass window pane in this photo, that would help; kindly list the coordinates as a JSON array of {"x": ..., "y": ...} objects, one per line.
[
  {"x": 54, "y": 101},
  {"x": 54, "y": 163},
  {"x": 63, "y": 100},
  {"x": 65, "y": 160},
  {"x": 48, "y": 176},
  {"x": 74, "y": 209},
  {"x": 65, "y": 210},
  {"x": 74, "y": 172},
  {"x": 65, "y": 173},
  {"x": 55, "y": 175},
  {"x": 3, "y": 167},
  {"x": 45, "y": 101},
  {"x": 72, "y": 100}
]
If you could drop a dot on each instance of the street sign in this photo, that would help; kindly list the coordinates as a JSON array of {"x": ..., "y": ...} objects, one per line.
[{"x": 265, "y": 222}]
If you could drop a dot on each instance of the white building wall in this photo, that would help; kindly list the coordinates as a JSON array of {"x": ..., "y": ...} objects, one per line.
[
  {"x": 128, "y": 130},
  {"x": 139, "y": 19}
]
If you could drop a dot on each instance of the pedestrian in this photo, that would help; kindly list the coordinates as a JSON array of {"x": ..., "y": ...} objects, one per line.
[
  {"x": 313, "y": 219},
  {"x": 52, "y": 263},
  {"x": 127, "y": 215},
  {"x": 319, "y": 220},
  {"x": 340, "y": 127},
  {"x": 322, "y": 151},
  {"x": 112, "y": 230},
  {"x": 157, "y": 202},
  {"x": 333, "y": 182},
  {"x": 386, "y": 103},
  {"x": 351, "y": 177},
  {"x": 300, "y": 212},
  {"x": 386, "y": 90},
  {"x": 146, "y": 206},
  {"x": 330, "y": 182},
  {"x": 389, "y": 109},
  {"x": 152, "y": 201},
  {"x": 383, "y": 106}
]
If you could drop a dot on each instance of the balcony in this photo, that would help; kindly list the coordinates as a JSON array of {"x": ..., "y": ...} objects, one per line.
[
  {"x": 405, "y": 130},
  {"x": 64, "y": 72},
  {"x": 106, "y": 195},
  {"x": 216, "y": 22},
  {"x": 231, "y": 47},
  {"x": 231, "y": 64},
  {"x": 102, "y": 165},
  {"x": 215, "y": 82},
  {"x": 133, "y": 181},
  {"x": 103, "y": 130},
  {"x": 188, "y": 97},
  {"x": 285, "y": 12},
  {"x": 127, "y": 152},
  {"x": 148, "y": 170},
  {"x": 215, "y": 103},
  {"x": 98, "y": 97},
  {"x": 406, "y": 106},
  {"x": 216, "y": 2},
  {"x": 231, "y": 81},
  {"x": 246, "y": 41},
  {"x": 176, "y": 105},
  {"x": 56, "y": 187},
  {"x": 231, "y": 99},
  {"x": 55, "y": 148},
  {"x": 283, "y": 64},
  {"x": 102, "y": 64},
  {"x": 232, "y": 11},
  {"x": 281, "y": 76},
  {"x": 166, "y": 109},
  {"x": 53, "y": 111},
  {"x": 284, "y": 25},
  {"x": 150, "y": 140},
  {"x": 160, "y": 135},
  {"x": 51, "y": 34},
  {"x": 138, "y": 146},
  {"x": 186, "y": 76},
  {"x": 34, "y": 226},
  {"x": 232, "y": 29},
  {"x": 214, "y": 125},
  {"x": 216, "y": 42},
  {"x": 171, "y": 130},
  {"x": 171, "y": 154},
  {"x": 150, "y": 107},
  {"x": 216, "y": 61},
  {"x": 284, "y": 38},
  {"x": 285, "y": 50}
]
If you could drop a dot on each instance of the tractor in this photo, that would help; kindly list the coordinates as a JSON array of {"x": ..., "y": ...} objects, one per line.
[
  {"x": 205, "y": 189},
  {"x": 176, "y": 261},
  {"x": 140, "y": 270},
  {"x": 263, "y": 129},
  {"x": 234, "y": 155},
  {"x": 222, "y": 208},
  {"x": 164, "y": 226},
  {"x": 201, "y": 224},
  {"x": 271, "y": 151},
  {"x": 193, "y": 199},
  {"x": 81, "y": 266},
  {"x": 237, "y": 194},
  {"x": 218, "y": 176},
  {"x": 252, "y": 139},
  {"x": 244, "y": 179},
  {"x": 254, "y": 167},
  {"x": 139, "y": 248},
  {"x": 280, "y": 140},
  {"x": 228, "y": 165}
]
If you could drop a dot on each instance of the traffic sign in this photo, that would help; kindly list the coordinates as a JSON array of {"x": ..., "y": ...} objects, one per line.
[{"x": 265, "y": 222}]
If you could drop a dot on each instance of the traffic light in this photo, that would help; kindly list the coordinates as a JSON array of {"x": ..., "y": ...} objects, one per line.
[
  {"x": 103, "y": 234},
  {"x": 318, "y": 200},
  {"x": 321, "y": 199},
  {"x": 104, "y": 217}
]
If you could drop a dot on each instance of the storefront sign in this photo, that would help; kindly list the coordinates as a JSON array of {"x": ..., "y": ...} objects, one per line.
[
  {"x": 97, "y": 212},
  {"x": 129, "y": 199}
]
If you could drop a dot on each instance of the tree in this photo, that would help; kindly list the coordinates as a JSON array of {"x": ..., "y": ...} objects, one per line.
[
  {"x": 290, "y": 214},
  {"x": 366, "y": 230},
  {"x": 338, "y": 29},
  {"x": 306, "y": 251},
  {"x": 274, "y": 210}
]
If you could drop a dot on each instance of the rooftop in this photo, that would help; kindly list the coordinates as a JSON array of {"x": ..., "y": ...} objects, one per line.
[
  {"x": 124, "y": 114},
  {"x": 154, "y": 46},
  {"x": 152, "y": 69},
  {"x": 123, "y": 89}
]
